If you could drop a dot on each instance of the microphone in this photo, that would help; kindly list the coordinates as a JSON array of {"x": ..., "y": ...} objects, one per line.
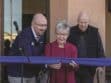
[{"x": 16, "y": 26}]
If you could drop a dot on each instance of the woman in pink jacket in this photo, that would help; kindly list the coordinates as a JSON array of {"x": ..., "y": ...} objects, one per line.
[{"x": 62, "y": 73}]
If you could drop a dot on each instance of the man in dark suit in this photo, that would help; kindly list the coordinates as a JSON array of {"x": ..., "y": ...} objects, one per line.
[
  {"x": 88, "y": 42},
  {"x": 30, "y": 42}
]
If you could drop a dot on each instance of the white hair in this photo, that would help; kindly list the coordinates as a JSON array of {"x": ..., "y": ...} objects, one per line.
[{"x": 62, "y": 25}]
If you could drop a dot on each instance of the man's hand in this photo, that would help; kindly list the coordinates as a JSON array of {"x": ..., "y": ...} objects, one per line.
[
  {"x": 99, "y": 69},
  {"x": 55, "y": 66}
]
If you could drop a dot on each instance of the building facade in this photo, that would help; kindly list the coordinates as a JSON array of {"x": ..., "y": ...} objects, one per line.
[{"x": 65, "y": 9}]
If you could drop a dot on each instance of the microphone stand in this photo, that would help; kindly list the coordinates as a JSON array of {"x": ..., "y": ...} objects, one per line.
[
  {"x": 16, "y": 26},
  {"x": 22, "y": 65}
]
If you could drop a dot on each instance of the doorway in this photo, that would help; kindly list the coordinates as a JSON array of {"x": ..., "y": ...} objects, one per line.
[
  {"x": 30, "y": 7},
  {"x": 17, "y": 16}
]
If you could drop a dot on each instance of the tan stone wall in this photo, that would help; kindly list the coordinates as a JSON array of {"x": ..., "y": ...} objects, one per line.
[{"x": 58, "y": 11}]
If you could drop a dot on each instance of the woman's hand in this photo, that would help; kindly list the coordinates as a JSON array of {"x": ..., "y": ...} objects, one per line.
[
  {"x": 55, "y": 66},
  {"x": 73, "y": 64}
]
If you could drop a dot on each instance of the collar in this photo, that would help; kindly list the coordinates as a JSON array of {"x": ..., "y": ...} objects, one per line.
[
  {"x": 35, "y": 35},
  {"x": 57, "y": 45}
]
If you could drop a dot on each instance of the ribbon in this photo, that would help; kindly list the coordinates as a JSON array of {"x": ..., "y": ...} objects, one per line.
[{"x": 52, "y": 60}]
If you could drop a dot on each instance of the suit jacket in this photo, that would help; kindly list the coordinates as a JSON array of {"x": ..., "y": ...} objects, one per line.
[
  {"x": 26, "y": 45},
  {"x": 93, "y": 43}
]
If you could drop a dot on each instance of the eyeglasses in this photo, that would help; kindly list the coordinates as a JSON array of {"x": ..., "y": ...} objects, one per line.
[{"x": 41, "y": 25}]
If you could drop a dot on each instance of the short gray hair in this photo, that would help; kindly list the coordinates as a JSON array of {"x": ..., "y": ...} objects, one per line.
[{"x": 62, "y": 25}]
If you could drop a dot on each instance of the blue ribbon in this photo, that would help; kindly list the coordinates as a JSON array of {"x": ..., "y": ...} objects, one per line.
[{"x": 52, "y": 60}]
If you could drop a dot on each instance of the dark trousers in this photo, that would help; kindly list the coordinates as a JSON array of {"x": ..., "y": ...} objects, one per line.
[
  {"x": 83, "y": 75},
  {"x": 84, "y": 79}
]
